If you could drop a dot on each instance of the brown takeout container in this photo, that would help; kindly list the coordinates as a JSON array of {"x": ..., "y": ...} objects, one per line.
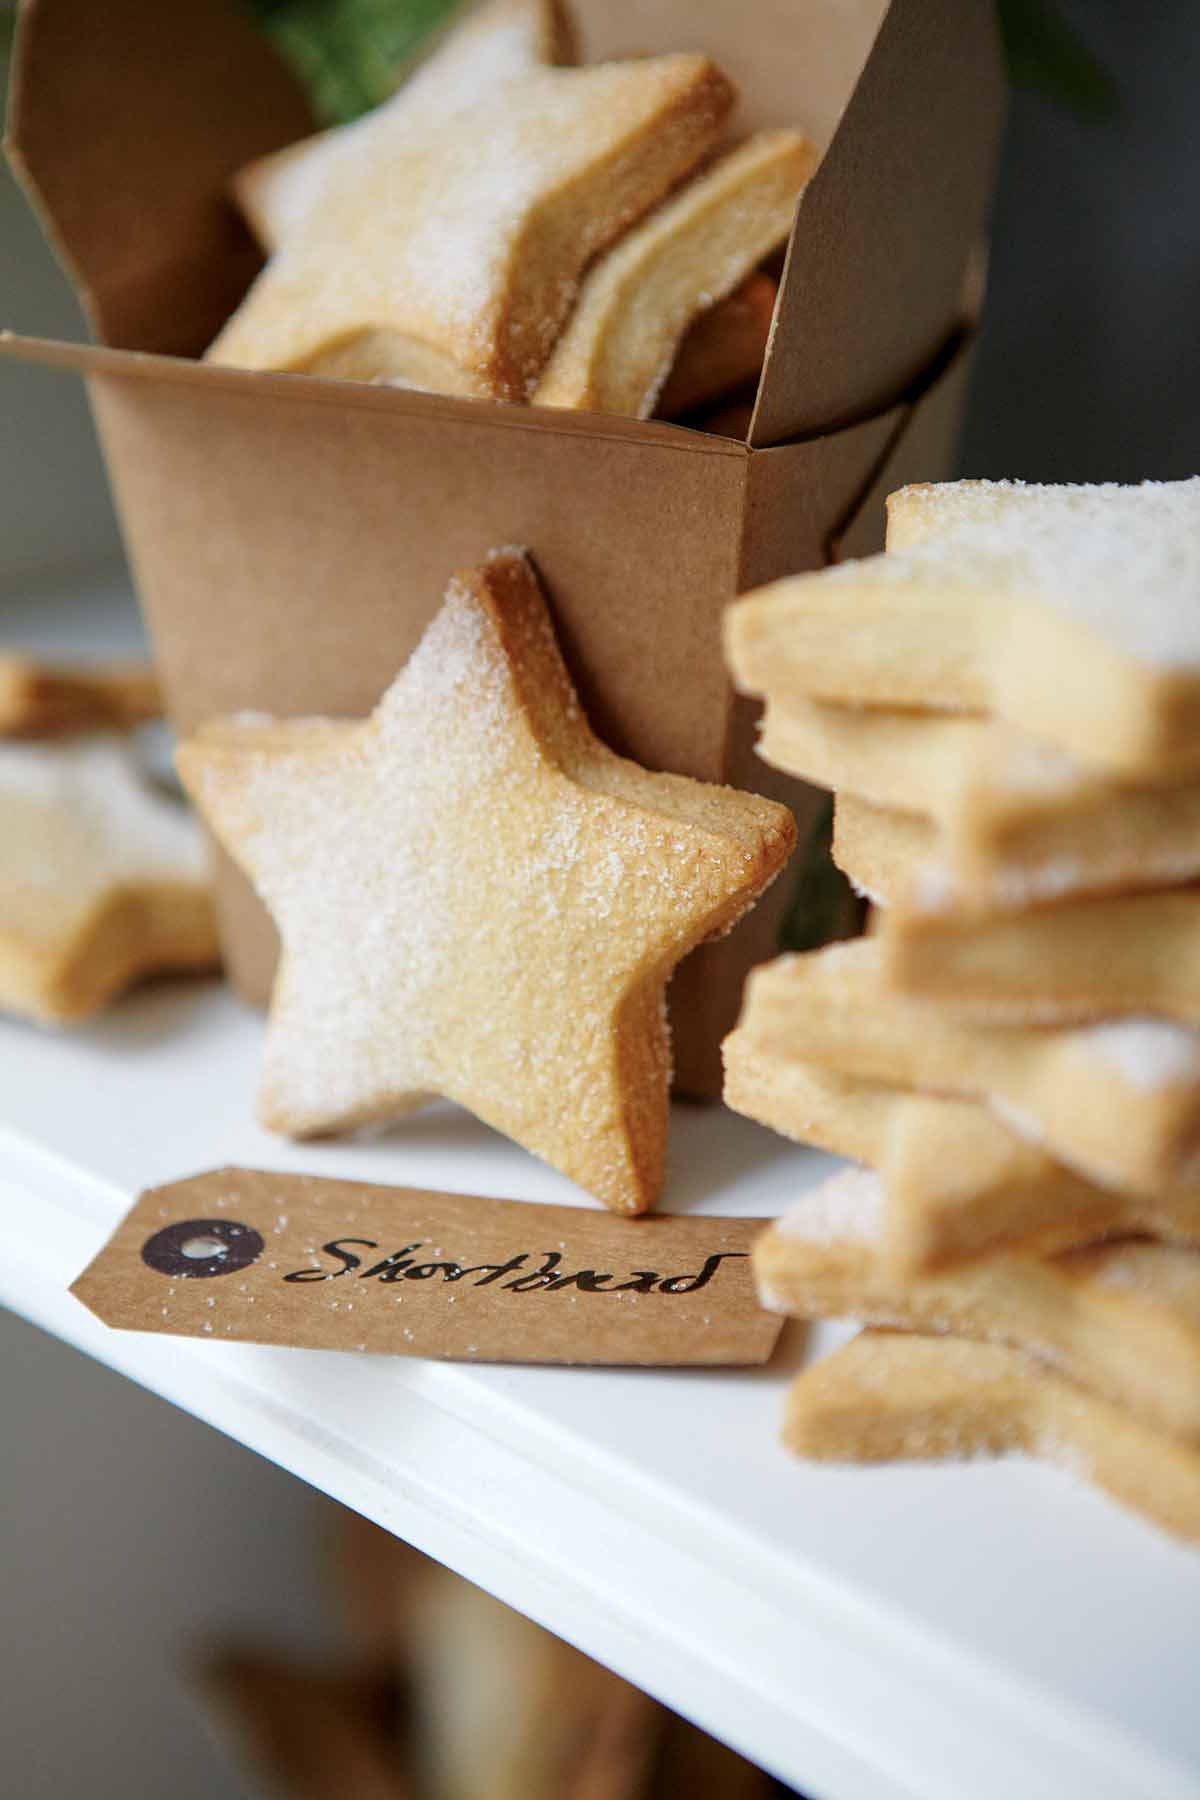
[{"x": 291, "y": 536}]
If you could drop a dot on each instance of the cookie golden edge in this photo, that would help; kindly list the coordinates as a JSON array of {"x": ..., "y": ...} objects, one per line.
[
  {"x": 907, "y": 1397},
  {"x": 130, "y": 937}
]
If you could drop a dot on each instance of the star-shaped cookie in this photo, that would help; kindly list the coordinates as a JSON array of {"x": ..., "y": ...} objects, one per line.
[
  {"x": 1121, "y": 1318},
  {"x": 103, "y": 879},
  {"x": 494, "y": 44},
  {"x": 443, "y": 245},
  {"x": 638, "y": 301},
  {"x": 902, "y": 1397},
  {"x": 1072, "y": 612},
  {"x": 43, "y": 700},
  {"x": 477, "y": 899}
]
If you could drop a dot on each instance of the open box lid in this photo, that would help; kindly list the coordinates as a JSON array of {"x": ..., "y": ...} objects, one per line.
[
  {"x": 906, "y": 102},
  {"x": 128, "y": 120},
  {"x": 125, "y": 123}
]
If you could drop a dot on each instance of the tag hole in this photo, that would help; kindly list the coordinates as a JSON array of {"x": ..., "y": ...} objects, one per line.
[{"x": 200, "y": 1248}]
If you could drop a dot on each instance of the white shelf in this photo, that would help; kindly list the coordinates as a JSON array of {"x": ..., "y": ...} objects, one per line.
[
  {"x": 979, "y": 1633},
  {"x": 970, "y": 1633}
]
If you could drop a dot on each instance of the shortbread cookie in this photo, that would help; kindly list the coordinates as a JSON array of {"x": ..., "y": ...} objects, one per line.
[
  {"x": 1081, "y": 960},
  {"x": 896, "y": 1396},
  {"x": 1007, "y": 816},
  {"x": 989, "y": 595},
  {"x": 637, "y": 302},
  {"x": 1122, "y": 1319},
  {"x": 477, "y": 899},
  {"x": 448, "y": 252},
  {"x": 809, "y": 1104},
  {"x": 895, "y": 858},
  {"x": 1119, "y": 1101},
  {"x": 961, "y": 1185},
  {"x": 958, "y": 1184},
  {"x": 723, "y": 351},
  {"x": 495, "y": 43},
  {"x": 891, "y": 858},
  {"x": 44, "y": 700},
  {"x": 103, "y": 879}
]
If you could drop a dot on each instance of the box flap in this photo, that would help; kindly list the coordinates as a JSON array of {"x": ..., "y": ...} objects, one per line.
[
  {"x": 907, "y": 102},
  {"x": 923, "y": 450},
  {"x": 125, "y": 123},
  {"x": 360, "y": 396},
  {"x": 128, "y": 121},
  {"x": 874, "y": 275},
  {"x": 793, "y": 64}
]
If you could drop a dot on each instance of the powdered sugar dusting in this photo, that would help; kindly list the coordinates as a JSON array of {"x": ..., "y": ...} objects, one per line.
[
  {"x": 1122, "y": 561},
  {"x": 770, "y": 1299},
  {"x": 1068, "y": 1455},
  {"x": 848, "y": 1209},
  {"x": 502, "y": 42},
  {"x": 1151, "y": 1054},
  {"x": 78, "y": 820},
  {"x": 469, "y": 892},
  {"x": 1027, "y": 767},
  {"x": 865, "y": 893},
  {"x": 936, "y": 888},
  {"x": 376, "y": 823},
  {"x": 1134, "y": 1268},
  {"x": 1018, "y": 1119},
  {"x": 425, "y": 222}
]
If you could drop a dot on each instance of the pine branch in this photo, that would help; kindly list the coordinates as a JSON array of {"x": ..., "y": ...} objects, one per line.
[
  {"x": 349, "y": 53},
  {"x": 1046, "y": 54}
]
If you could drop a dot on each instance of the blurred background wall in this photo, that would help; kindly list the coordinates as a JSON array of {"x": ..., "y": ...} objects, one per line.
[
  {"x": 55, "y": 509},
  {"x": 127, "y": 1530},
  {"x": 1089, "y": 368}
]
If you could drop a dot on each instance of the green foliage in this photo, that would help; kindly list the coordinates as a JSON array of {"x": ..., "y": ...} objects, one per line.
[
  {"x": 825, "y": 906},
  {"x": 1046, "y": 54},
  {"x": 349, "y": 52}
]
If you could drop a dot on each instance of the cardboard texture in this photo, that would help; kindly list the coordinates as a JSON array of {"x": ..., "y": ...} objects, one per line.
[
  {"x": 340, "y": 1265},
  {"x": 930, "y": 439},
  {"x": 291, "y": 536},
  {"x": 157, "y": 254}
]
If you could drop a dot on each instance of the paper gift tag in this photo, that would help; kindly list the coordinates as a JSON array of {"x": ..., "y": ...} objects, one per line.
[{"x": 340, "y": 1265}]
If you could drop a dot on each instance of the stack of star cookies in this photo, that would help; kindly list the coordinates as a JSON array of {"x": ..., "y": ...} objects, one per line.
[
  {"x": 103, "y": 878},
  {"x": 1006, "y": 704},
  {"x": 509, "y": 226}
]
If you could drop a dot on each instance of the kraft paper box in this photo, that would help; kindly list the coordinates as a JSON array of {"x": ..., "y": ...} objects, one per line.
[{"x": 291, "y": 536}]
